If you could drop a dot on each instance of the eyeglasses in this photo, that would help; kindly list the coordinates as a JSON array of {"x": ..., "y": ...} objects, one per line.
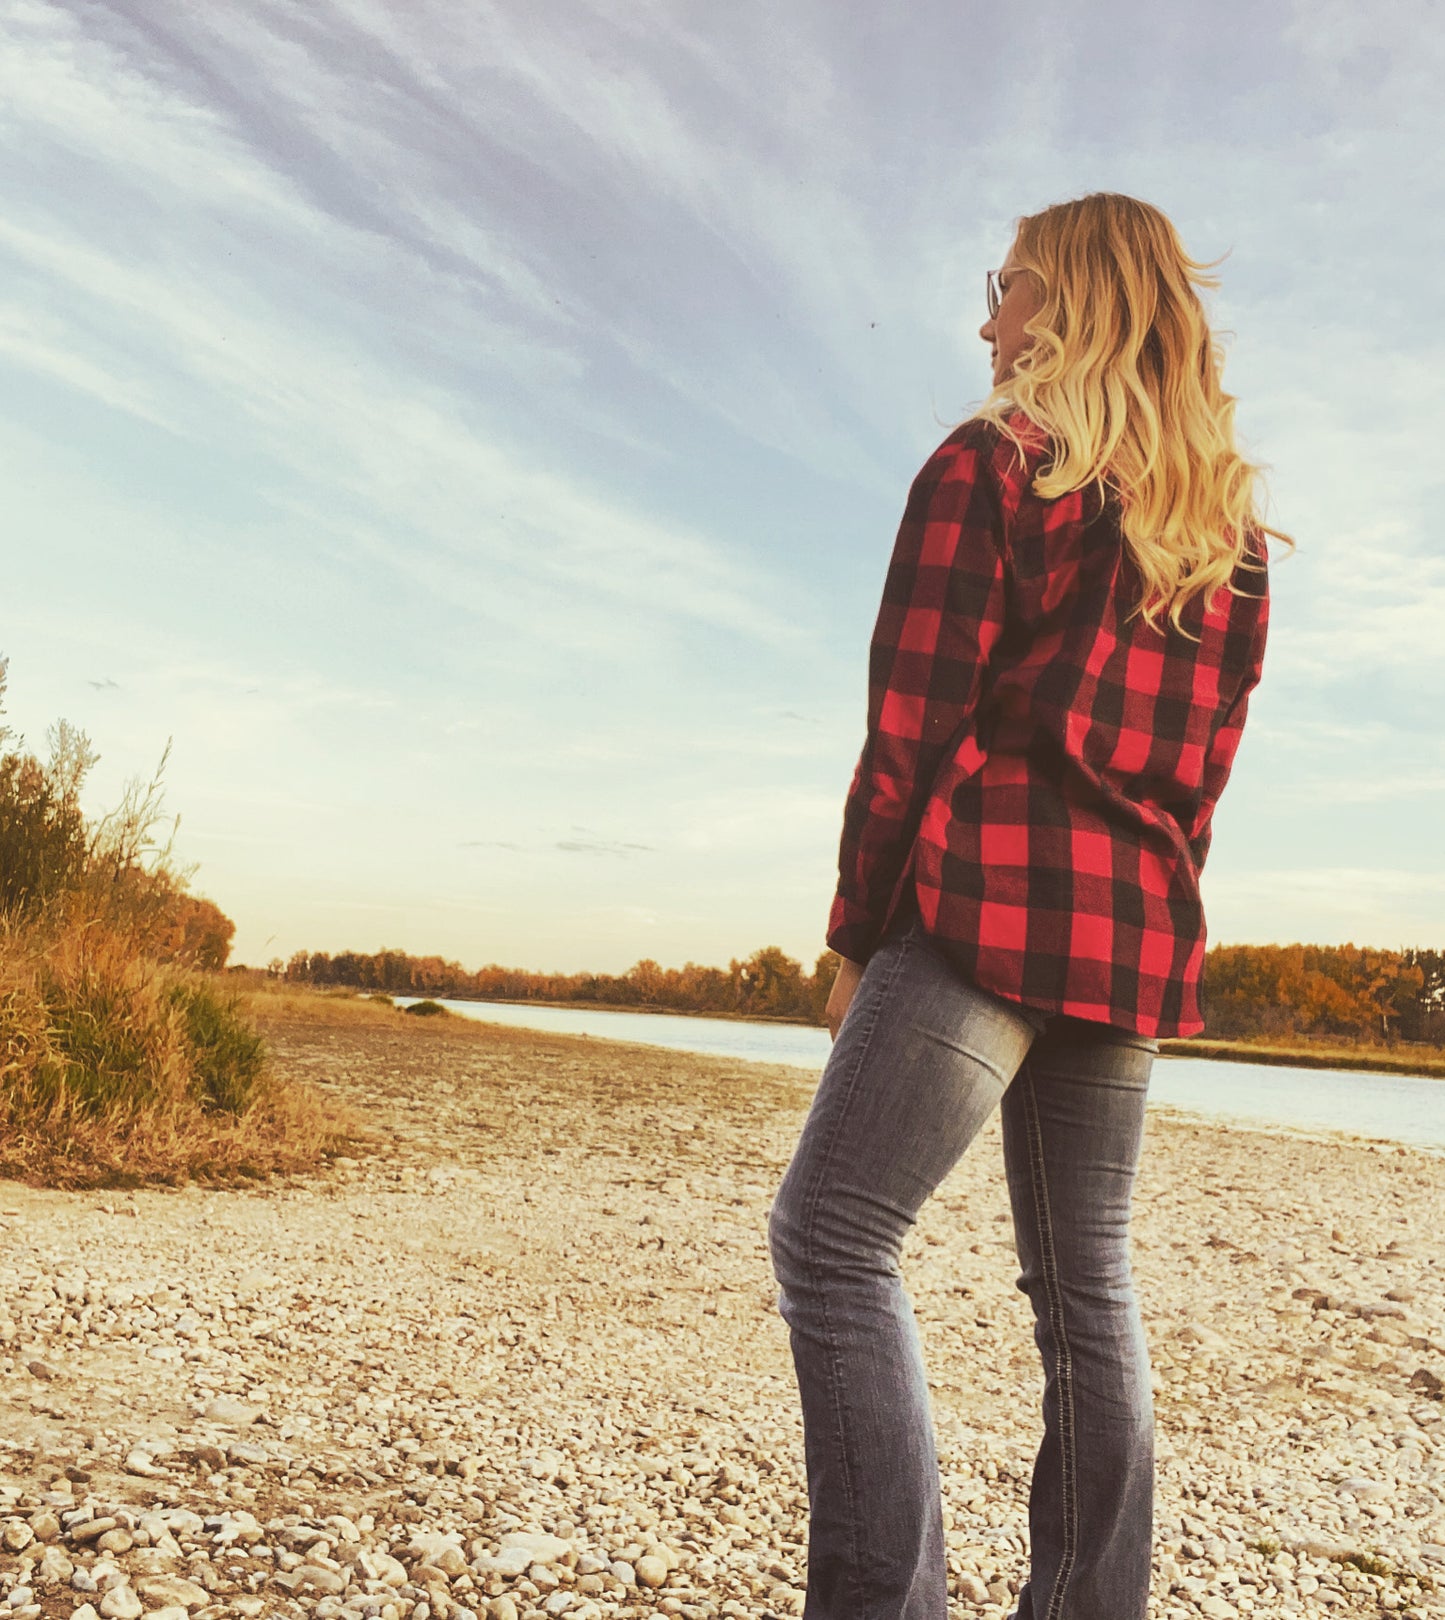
[{"x": 996, "y": 290}]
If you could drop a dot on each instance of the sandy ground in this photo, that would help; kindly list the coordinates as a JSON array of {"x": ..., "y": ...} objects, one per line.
[{"x": 526, "y": 1359}]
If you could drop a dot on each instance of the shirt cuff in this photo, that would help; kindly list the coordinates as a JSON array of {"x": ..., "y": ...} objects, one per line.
[{"x": 855, "y": 941}]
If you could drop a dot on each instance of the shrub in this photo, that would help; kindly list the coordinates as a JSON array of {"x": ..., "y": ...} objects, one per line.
[
  {"x": 427, "y": 1009},
  {"x": 113, "y": 1047},
  {"x": 118, "y": 1062},
  {"x": 228, "y": 1056}
]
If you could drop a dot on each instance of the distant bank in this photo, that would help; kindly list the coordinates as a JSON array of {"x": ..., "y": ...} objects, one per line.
[{"x": 1428, "y": 1063}]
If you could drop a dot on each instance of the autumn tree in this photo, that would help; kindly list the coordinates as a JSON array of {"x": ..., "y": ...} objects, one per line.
[{"x": 195, "y": 932}]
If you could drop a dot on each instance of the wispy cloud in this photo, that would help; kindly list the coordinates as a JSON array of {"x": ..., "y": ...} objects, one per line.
[
  {"x": 579, "y": 844},
  {"x": 601, "y": 846}
]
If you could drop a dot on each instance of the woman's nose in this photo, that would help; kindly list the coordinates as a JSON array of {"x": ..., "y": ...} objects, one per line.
[{"x": 986, "y": 331}]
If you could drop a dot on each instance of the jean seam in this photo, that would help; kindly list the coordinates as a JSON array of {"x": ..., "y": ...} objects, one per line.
[
  {"x": 1054, "y": 1298},
  {"x": 810, "y": 1206}
]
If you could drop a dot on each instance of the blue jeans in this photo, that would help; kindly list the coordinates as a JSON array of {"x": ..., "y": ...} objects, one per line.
[{"x": 920, "y": 1062}]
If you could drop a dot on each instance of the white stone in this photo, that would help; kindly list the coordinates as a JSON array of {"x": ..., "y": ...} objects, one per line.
[
  {"x": 540, "y": 1548},
  {"x": 509, "y": 1563},
  {"x": 651, "y": 1570},
  {"x": 181, "y": 1521},
  {"x": 389, "y": 1571},
  {"x": 321, "y": 1579},
  {"x": 231, "y": 1414},
  {"x": 121, "y": 1603},
  {"x": 168, "y": 1591},
  {"x": 54, "y": 1566},
  {"x": 441, "y": 1551}
]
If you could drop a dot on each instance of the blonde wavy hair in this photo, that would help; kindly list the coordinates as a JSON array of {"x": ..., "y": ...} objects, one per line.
[{"x": 1123, "y": 376}]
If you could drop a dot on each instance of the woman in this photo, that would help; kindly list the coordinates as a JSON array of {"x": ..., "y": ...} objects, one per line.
[{"x": 1073, "y": 619}]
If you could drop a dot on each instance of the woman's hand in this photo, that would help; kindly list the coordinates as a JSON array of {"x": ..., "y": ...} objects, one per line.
[{"x": 844, "y": 985}]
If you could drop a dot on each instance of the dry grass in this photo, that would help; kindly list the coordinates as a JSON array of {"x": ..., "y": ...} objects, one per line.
[
  {"x": 267, "y": 999},
  {"x": 116, "y": 1072},
  {"x": 114, "y": 1068}
]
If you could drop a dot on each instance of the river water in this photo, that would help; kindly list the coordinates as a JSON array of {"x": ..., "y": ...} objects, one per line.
[{"x": 1385, "y": 1107}]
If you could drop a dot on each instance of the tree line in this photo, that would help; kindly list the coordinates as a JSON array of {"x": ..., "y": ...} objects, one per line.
[
  {"x": 1251, "y": 992},
  {"x": 769, "y": 984},
  {"x": 1350, "y": 992}
]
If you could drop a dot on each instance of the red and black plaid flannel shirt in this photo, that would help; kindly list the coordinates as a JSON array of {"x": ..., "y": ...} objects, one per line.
[{"x": 1040, "y": 769}]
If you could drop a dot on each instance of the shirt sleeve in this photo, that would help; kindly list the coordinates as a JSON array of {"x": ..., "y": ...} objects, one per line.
[
  {"x": 941, "y": 615},
  {"x": 1219, "y": 760}
]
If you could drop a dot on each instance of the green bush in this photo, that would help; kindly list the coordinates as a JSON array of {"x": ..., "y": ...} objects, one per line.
[
  {"x": 228, "y": 1055},
  {"x": 111, "y": 1048},
  {"x": 427, "y": 1009}
]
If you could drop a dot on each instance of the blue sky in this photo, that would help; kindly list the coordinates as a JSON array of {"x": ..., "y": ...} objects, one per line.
[{"x": 475, "y": 433}]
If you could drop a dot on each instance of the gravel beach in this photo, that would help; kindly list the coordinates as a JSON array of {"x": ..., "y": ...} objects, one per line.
[{"x": 525, "y": 1359}]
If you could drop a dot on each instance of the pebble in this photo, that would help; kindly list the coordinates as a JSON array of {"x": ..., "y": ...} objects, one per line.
[
  {"x": 93, "y": 1529},
  {"x": 540, "y": 1548},
  {"x": 121, "y": 1603},
  {"x": 509, "y": 1563},
  {"x": 172, "y": 1591},
  {"x": 54, "y": 1567},
  {"x": 231, "y": 1414},
  {"x": 651, "y": 1570},
  {"x": 316, "y": 1576},
  {"x": 44, "y": 1525},
  {"x": 441, "y": 1552}
]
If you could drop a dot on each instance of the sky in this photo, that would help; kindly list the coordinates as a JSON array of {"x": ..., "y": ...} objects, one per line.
[{"x": 474, "y": 434}]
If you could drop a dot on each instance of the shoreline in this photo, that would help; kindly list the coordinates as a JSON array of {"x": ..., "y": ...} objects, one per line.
[
  {"x": 364, "y": 1010},
  {"x": 1366, "y": 1060}
]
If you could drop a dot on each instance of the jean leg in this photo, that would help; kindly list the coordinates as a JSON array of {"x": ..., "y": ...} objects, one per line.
[
  {"x": 920, "y": 1062},
  {"x": 1073, "y": 1123}
]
